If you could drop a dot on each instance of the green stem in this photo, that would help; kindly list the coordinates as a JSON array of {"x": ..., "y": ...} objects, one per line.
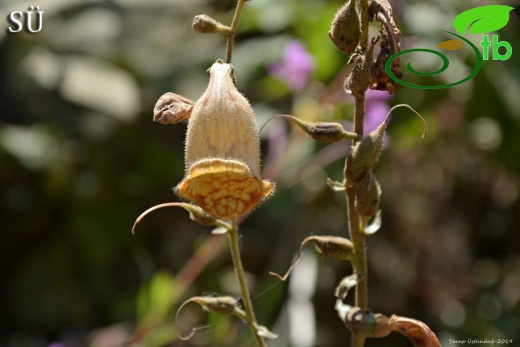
[
  {"x": 234, "y": 25},
  {"x": 239, "y": 270}
]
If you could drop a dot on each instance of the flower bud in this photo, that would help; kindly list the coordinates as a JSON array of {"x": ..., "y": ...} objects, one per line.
[
  {"x": 368, "y": 195},
  {"x": 225, "y": 305},
  {"x": 365, "y": 154},
  {"x": 359, "y": 79},
  {"x": 223, "y": 150},
  {"x": 332, "y": 246},
  {"x": 323, "y": 131},
  {"x": 345, "y": 31},
  {"x": 205, "y": 24},
  {"x": 172, "y": 108}
]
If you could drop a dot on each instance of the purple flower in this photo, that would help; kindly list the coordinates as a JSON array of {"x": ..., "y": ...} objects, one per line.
[
  {"x": 296, "y": 66},
  {"x": 376, "y": 109}
]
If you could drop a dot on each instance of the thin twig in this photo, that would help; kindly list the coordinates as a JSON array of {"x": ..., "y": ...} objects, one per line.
[
  {"x": 232, "y": 32},
  {"x": 239, "y": 270}
]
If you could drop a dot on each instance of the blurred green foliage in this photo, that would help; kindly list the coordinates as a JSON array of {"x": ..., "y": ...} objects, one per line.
[{"x": 80, "y": 158}]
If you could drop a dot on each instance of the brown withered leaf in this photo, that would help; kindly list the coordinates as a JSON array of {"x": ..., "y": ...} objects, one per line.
[
  {"x": 381, "y": 11},
  {"x": 172, "y": 108},
  {"x": 416, "y": 331},
  {"x": 376, "y": 325}
]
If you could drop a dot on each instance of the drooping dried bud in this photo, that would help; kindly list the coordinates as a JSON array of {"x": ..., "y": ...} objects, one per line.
[
  {"x": 172, "y": 108},
  {"x": 332, "y": 246},
  {"x": 323, "y": 131},
  {"x": 345, "y": 31},
  {"x": 368, "y": 195},
  {"x": 359, "y": 79},
  {"x": 225, "y": 305},
  {"x": 218, "y": 304},
  {"x": 205, "y": 24},
  {"x": 197, "y": 214},
  {"x": 223, "y": 150}
]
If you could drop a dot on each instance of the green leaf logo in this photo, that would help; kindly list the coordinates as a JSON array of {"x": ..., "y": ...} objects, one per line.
[{"x": 485, "y": 19}]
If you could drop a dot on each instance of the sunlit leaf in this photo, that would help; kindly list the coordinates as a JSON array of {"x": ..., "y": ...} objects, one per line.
[{"x": 485, "y": 19}]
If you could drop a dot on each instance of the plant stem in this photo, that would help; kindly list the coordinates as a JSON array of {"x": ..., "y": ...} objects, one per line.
[
  {"x": 231, "y": 34},
  {"x": 239, "y": 270},
  {"x": 358, "y": 240},
  {"x": 359, "y": 115},
  {"x": 363, "y": 8},
  {"x": 355, "y": 225}
]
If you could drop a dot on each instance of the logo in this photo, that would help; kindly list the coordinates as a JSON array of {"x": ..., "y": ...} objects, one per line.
[{"x": 480, "y": 21}]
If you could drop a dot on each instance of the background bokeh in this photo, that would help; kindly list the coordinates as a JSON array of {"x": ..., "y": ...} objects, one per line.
[{"x": 80, "y": 158}]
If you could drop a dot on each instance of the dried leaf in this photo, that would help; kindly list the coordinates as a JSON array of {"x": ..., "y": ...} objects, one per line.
[
  {"x": 418, "y": 332},
  {"x": 375, "y": 325},
  {"x": 381, "y": 10}
]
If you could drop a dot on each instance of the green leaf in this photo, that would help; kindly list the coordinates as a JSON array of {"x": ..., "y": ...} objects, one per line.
[{"x": 485, "y": 19}]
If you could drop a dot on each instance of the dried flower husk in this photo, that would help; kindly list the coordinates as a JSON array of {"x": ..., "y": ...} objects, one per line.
[
  {"x": 205, "y": 24},
  {"x": 381, "y": 11},
  {"x": 223, "y": 150},
  {"x": 172, "y": 108}
]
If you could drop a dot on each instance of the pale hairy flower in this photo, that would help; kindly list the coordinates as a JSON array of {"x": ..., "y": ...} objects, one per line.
[{"x": 223, "y": 150}]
